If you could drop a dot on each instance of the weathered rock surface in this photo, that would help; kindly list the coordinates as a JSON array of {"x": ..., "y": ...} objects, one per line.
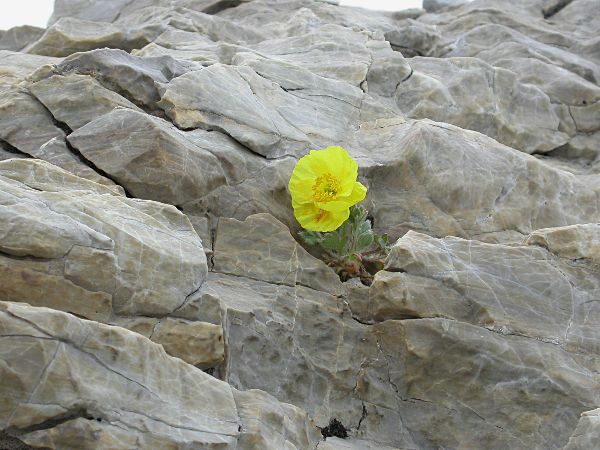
[
  {"x": 516, "y": 114},
  {"x": 17, "y": 38},
  {"x": 101, "y": 246},
  {"x": 145, "y": 152},
  {"x": 128, "y": 392},
  {"x": 435, "y": 5},
  {"x": 587, "y": 433}
]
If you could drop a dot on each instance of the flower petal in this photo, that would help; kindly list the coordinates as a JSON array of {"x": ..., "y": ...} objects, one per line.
[
  {"x": 315, "y": 219},
  {"x": 302, "y": 180},
  {"x": 358, "y": 194},
  {"x": 336, "y": 161}
]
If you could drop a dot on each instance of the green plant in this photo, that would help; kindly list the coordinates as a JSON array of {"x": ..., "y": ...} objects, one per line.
[{"x": 353, "y": 250}]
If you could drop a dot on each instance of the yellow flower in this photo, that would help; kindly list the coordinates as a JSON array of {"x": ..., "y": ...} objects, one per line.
[{"x": 323, "y": 187}]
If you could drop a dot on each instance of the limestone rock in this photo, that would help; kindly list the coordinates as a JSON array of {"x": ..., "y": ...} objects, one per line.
[
  {"x": 131, "y": 76},
  {"x": 515, "y": 114},
  {"x": 587, "y": 433},
  {"x": 492, "y": 292},
  {"x": 262, "y": 248},
  {"x": 490, "y": 41},
  {"x": 574, "y": 242},
  {"x": 435, "y": 5},
  {"x": 68, "y": 98},
  {"x": 333, "y": 443},
  {"x": 489, "y": 374},
  {"x": 160, "y": 162},
  {"x": 500, "y": 194},
  {"x": 260, "y": 114},
  {"x": 17, "y": 38},
  {"x": 69, "y": 35},
  {"x": 15, "y": 66},
  {"x": 120, "y": 384},
  {"x": 200, "y": 344},
  {"x": 476, "y": 128},
  {"x": 86, "y": 249}
]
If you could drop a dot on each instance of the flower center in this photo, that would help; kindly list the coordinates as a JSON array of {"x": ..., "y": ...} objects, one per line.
[{"x": 325, "y": 188}]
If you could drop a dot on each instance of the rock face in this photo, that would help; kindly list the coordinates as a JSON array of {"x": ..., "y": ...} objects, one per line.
[
  {"x": 157, "y": 402},
  {"x": 153, "y": 289}
]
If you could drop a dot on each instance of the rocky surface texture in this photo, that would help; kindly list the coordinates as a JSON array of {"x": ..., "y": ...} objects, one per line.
[{"x": 154, "y": 294}]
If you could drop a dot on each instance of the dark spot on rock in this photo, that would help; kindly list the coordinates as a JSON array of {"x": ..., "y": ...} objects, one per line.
[{"x": 335, "y": 429}]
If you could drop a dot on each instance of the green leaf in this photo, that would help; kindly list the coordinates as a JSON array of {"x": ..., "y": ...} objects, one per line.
[
  {"x": 364, "y": 241},
  {"x": 358, "y": 214},
  {"x": 311, "y": 238},
  {"x": 383, "y": 242},
  {"x": 334, "y": 242},
  {"x": 364, "y": 227}
]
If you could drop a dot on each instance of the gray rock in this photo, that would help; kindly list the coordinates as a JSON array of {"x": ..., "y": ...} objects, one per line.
[
  {"x": 17, "y": 38},
  {"x": 130, "y": 76},
  {"x": 15, "y": 66},
  {"x": 491, "y": 41},
  {"x": 480, "y": 333},
  {"x": 75, "y": 245},
  {"x": 24, "y": 122},
  {"x": 68, "y": 96},
  {"x": 121, "y": 384},
  {"x": 160, "y": 162},
  {"x": 435, "y": 5},
  {"x": 253, "y": 115},
  {"x": 513, "y": 113},
  {"x": 414, "y": 38},
  {"x": 580, "y": 16},
  {"x": 587, "y": 433},
  {"x": 69, "y": 35},
  {"x": 241, "y": 249},
  {"x": 495, "y": 296},
  {"x": 447, "y": 181}
]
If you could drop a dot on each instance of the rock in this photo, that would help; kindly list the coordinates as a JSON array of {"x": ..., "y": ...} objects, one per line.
[
  {"x": 15, "y": 66},
  {"x": 132, "y": 77},
  {"x": 414, "y": 38},
  {"x": 250, "y": 116},
  {"x": 587, "y": 434},
  {"x": 348, "y": 56},
  {"x": 494, "y": 297},
  {"x": 197, "y": 343},
  {"x": 17, "y": 38},
  {"x": 501, "y": 194},
  {"x": 120, "y": 384},
  {"x": 87, "y": 249},
  {"x": 333, "y": 443},
  {"x": 281, "y": 323},
  {"x": 155, "y": 147},
  {"x": 144, "y": 199},
  {"x": 24, "y": 122},
  {"x": 491, "y": 41},
  {"x": 262, "y": 248},
  {"x": 269, "y": 424},
  {"x": 105, "y": 11},
  {"x": 578, "y": 16},
  {"x": 270, "y": 16},
  {"x": 455, "y": 376},
  {"x": 69, "y": 35},
  {"x": 8, "y": 154},
  {"x": 515, "y": 114},
  {"x": 435, "y": 5},
  {"x": 575, "y": 242}
]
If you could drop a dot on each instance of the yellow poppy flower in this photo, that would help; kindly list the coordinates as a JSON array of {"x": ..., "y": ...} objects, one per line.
[{"x": 323, "y": 187}]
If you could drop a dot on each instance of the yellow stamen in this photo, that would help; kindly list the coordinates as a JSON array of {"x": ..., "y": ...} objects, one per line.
[{"x": 326, "y": 188}]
